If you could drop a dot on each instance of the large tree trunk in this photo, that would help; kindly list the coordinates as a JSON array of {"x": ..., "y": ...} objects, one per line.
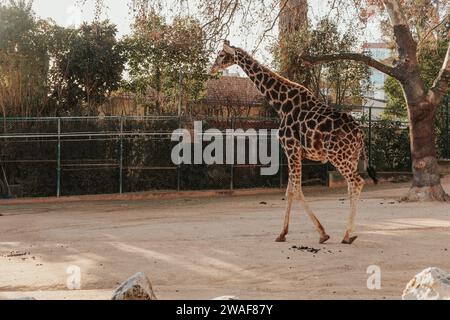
[
  {"x": 422, "y": 107},
  {"x": 293, "y": 17},
  {"x": 422, "y": 103},
  {"x": 426, "y": 184}
]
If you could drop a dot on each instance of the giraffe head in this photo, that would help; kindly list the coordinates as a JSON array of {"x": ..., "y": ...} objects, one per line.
[{"x": 225, "y": 58}]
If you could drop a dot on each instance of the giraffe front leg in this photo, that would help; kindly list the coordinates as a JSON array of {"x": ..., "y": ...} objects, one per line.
[
  {"x": 298, "y": 190},
  {"x": 293, "y": 155},
  {"x": 285, "y": 230}
]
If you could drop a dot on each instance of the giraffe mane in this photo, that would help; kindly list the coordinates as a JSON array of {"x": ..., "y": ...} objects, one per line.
[{"x": 271, "y": 72}]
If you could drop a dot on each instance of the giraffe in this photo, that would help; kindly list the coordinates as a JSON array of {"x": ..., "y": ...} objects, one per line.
[{"x": 309, "y": 129}]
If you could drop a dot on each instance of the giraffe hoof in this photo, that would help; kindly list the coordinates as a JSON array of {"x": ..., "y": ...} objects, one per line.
[
  {"x": 324, "y": 239},
  {"x": 281, "y": 239},
  {"x": 349, "y": 241}
]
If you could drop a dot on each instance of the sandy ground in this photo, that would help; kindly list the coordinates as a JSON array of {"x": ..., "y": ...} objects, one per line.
[{"x": 203, "y": 248}]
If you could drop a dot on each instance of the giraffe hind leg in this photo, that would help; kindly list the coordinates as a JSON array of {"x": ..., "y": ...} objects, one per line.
[
  {"x": 324, "y": 237},
  {"x": 355, "y": 186}
]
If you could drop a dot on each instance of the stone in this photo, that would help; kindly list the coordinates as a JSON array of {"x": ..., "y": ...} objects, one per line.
[
  {"x": 138, "y": 287},
  {"x": 430, "y": 284},
  {"x": 25, "y": 299},
  {"x": 229, "y": 298}
]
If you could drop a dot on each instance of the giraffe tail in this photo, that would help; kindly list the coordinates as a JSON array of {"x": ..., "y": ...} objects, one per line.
[{"x": 370, "y": 170}]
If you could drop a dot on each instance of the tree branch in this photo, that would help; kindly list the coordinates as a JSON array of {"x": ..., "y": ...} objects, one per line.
[
  {"x": 407, "y": 47},
  {"x": 440, "y": 85},
  {"x": 395, "y": 12},
  {"x": 407, "y": 62},
  {"x": 431, "y": 30},
  {"x": 358, "y": 57},
  {"x": 270, "y": 28}
]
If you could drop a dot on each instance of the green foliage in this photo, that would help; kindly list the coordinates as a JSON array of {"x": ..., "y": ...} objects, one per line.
[
  {"x": 47, "y": 70},
  {"x": 390, "y": 146},
  {"x": 431, "y": 54},
  {"x": 89, "y": 63},
  {"x": 396, "y": 105},
  {"x": 432, "y": 47},
  {"x": 162, "y": 57},
  {"x": 24, "y": 60},
  {"x": 430, "y": 57},
  {"x": 17, "y": 24},
  {"x": 443, "y": 129},
  {"x": 340, "y": 82}
]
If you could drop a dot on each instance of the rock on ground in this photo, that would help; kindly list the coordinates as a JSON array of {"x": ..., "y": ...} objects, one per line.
[
  {"x": 430, "y": 284},
  {"x": 138, "y": 287},
  {"x": 226, "y": 298}
]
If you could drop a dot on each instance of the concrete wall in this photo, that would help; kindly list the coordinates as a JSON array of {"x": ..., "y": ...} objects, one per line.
[{"x": 444, "y": 165}]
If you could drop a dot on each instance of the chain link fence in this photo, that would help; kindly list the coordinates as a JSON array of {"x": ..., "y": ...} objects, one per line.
[{"x": 43, "y": 157}]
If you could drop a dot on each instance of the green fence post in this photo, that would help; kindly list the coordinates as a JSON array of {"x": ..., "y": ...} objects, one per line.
[
  {"x": 58, "y": 161},
  {"x": 410, "y": 164},
  {"x": 121, "y": 157},
  {"x": 447, "y": 140},
  {"x": 180, "y": 111},
  {"x": 232, "y": 165},
  {"x": 280, "y": 154},
  {"x": 179, "y": 166},
  {"x": 232, "y": 177},
  {"x": 370, "y": 136}
]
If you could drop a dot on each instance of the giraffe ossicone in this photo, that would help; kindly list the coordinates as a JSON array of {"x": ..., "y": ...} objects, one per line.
[{"x": 309, "y": 129}]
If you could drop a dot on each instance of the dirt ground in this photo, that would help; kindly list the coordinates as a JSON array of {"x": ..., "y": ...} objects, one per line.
[{"x": 207, "y": 247}]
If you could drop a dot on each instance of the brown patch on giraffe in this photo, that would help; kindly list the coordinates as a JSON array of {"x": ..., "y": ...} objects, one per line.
[{"x": 318, "y": 142}]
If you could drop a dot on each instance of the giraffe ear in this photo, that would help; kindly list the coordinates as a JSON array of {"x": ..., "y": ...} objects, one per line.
[{"x": 227, "y": 47}]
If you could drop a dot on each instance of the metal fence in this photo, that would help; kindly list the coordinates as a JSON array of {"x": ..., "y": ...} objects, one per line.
[
  {"x": 91, "y": 155},
  {"x": 97, "y": 155}
]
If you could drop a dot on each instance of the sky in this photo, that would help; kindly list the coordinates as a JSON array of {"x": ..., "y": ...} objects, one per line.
[{"x": 70, "y": 12}]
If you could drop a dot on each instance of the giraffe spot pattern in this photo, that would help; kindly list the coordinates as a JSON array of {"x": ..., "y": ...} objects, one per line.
[{"x": 309, "y": 129}]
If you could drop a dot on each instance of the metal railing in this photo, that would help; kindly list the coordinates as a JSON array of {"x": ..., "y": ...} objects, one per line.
[{"x": 84, "y": 155}]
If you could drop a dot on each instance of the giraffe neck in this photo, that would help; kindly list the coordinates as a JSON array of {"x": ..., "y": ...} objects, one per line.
[{"x": 274, "y": 87}]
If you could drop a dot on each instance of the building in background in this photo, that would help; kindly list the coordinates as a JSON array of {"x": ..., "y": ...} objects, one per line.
[
  {"x": 230, "y": 96},
  {"x": 377, "y": 98}
]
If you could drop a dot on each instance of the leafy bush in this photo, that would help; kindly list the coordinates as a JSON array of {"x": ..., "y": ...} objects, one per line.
[{"x": 390, "y": 146}]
